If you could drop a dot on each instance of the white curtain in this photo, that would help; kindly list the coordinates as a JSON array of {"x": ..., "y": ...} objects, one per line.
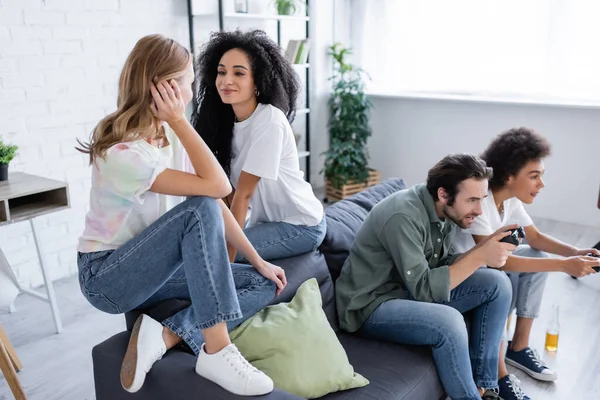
[{"x": 527, "y": 48}]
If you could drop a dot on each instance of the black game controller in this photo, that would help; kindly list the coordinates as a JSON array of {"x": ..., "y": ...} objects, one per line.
[
  {"x": 595, "y": 268},
  {"x": 515, "y": 235}
]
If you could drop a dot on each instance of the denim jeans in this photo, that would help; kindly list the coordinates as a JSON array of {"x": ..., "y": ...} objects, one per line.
[
  {"x": 463, "y": 363},
  {"x": 275, "y": 240},
  {"x": 182, "y": 255},
  {"x": 528, "y": 287}
]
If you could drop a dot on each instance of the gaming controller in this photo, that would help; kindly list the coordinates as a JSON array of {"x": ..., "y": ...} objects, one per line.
[
  {"x": 595, "y": 268},
  {"x": 515, "y": 235}
]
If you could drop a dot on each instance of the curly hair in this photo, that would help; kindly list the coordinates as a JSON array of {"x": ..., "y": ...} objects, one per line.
[
  {"x": 274, "y": 77},
  {"x": 508, "y": 153}
]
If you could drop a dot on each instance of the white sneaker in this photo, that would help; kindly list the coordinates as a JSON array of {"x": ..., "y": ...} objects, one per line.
[
  {"x": 229, "y": 369},
  {"x": 146, "y": 346}
]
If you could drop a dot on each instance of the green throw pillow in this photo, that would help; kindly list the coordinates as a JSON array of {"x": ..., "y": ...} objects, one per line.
[{"x": 294, "y": 344}]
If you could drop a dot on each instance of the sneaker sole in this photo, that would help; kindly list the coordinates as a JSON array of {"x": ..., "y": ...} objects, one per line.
[
  {"x": 128, "y": 368},
  {"x": 233, "y": 389},
  {"x": 533, "y": 374}
]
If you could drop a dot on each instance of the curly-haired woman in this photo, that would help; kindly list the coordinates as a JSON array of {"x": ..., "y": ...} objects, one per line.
[{"x": 246, "y": 101}]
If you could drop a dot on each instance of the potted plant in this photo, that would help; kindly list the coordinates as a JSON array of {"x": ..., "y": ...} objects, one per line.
[
  {"x": 346, "y": 162},
  {"x": 7, "y": 153},
  {"x": 287, "y": 7}
]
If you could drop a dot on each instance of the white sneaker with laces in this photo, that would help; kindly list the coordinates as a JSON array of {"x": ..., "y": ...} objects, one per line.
[
  {"x": 146, "y": 346},
  {"x": 229, "y": 369}
]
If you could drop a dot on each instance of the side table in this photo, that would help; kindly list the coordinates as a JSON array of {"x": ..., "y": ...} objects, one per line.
[{"x": 22, "y": 198}]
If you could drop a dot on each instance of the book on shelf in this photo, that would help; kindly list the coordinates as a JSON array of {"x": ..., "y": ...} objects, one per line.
[{"x": 297, "y": 51}]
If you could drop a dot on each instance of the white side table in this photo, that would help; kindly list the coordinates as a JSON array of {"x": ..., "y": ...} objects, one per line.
[{"x": 24, "y": 197}]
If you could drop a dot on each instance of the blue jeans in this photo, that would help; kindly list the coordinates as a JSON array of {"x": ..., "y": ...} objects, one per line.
[
  {"x": 528, "y": 287},
  {"x": 463, "y": 363},
  {"x": 275, "y": 240},
  {"x": 183, "y": 255}
]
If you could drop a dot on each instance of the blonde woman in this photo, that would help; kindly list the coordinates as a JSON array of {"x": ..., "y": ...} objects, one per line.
[{"x": 135, "y": 252}]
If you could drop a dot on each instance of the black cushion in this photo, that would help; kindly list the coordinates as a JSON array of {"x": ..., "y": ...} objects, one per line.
[
  {"x": 173, "y": 377},
  {"x": 394, "y": 371},
  {"x": 345, "y": 217}
]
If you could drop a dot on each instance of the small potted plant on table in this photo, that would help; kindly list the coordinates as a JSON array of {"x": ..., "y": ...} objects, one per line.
[{"x": 7, "y": 153}]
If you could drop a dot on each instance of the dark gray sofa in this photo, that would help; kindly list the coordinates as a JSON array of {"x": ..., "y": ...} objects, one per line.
[{"x": 395, "y": 371}]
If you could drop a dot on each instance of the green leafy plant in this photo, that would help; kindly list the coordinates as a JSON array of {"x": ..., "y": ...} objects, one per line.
[
  {"x": 349, "y": 128},
  {"x": 287, "y": 7},
  {"x": 7, "y": 152}
]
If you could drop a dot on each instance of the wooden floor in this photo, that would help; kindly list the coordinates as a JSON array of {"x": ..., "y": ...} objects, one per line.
[{"x": 59, "y": 367}]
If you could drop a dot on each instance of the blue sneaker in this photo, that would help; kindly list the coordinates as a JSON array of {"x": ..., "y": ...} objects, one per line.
[
  {"x": 528, "y": 360},
  {"x": 510, "y": 388}
]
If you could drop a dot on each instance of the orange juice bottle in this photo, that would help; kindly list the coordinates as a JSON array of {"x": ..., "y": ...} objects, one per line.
[{"x": 552, "y": 331}]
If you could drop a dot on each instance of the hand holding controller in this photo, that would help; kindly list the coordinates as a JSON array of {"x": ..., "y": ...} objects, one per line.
[
  {"x": 515, "y": 236},
  {"x": 596, "y": 268}
]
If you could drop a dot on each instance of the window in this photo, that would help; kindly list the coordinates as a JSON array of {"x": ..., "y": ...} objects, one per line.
[{"x": 527, "y": 48}]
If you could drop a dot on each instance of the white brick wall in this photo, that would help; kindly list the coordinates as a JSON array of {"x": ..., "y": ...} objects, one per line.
[{"x": 59, "y": 66}]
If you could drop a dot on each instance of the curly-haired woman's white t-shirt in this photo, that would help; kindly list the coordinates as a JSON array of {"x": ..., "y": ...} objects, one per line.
[{"x": 264, "y": 145}]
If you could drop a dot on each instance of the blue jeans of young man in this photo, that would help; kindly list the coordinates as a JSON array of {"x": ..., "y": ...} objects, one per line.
[
  {"x": 463, "y": 363},
  {"x": 183, "y": 255},
  {"x": 275, "y": 240}
]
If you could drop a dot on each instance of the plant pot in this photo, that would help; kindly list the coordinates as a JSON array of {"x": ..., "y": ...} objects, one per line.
[
  {"x": 241, "y": 6},
  {"x": 351, "y": 188},
  {"x": 285, "y": 9},
  {"x": 3, "y": 172}
]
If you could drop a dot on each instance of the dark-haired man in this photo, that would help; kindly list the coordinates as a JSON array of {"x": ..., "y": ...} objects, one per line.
[
  {"x": 516, "y": 157},
  {"x": 403, "y": 282}
]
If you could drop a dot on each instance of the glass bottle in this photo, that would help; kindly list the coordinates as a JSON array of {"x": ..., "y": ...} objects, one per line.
[{"x": 553, "y": 330}]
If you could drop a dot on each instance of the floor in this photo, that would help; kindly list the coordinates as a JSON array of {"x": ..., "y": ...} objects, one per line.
[{"x": 59, "y": 367}]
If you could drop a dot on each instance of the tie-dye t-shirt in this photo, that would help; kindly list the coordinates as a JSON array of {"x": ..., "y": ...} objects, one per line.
[{"x": 121, "y": 205}]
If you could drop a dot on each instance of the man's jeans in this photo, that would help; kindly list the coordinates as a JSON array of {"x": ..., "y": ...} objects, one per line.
[
  {"x": 275, "y": 240},
  {"x": 528, "y": 287},
  {"x": 183, "y": 255},
  {"x": 463, "y": 363}
]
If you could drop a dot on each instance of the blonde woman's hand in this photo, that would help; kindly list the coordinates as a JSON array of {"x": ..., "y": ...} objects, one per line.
[
  {"x": 273, "y": 273},
  {"x": 167, "y": 104}
]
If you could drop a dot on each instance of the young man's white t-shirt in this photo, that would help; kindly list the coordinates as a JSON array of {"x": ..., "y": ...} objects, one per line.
[
  {"x": 264, "y": 145},
  {"x": 490, "y": 221}
]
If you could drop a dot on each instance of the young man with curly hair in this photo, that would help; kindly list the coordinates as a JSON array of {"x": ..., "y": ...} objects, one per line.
[{"x": 516, "y": 157}]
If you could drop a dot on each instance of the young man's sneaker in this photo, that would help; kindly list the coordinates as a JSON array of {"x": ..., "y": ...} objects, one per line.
[
  {"x": 529, "y": 361},
  {"x": 510, "y": 388},
  {"x": 146, "y": 346},
  {"x": 229, "y": 369},
  {"x": 491, "y": 394}
]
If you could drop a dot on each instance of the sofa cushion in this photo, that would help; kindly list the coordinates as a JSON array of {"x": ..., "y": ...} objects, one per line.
[
  {"x": 345, "y": 217},
  {"x": 394, "y": 371},
  {"x": 301, "y": 268},
  {"x": 294, "y": 344},
  {"x": 173, "y": 377}
]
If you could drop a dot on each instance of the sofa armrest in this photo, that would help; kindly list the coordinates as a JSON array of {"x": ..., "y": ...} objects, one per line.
[{"x": 173, "y": 377}]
